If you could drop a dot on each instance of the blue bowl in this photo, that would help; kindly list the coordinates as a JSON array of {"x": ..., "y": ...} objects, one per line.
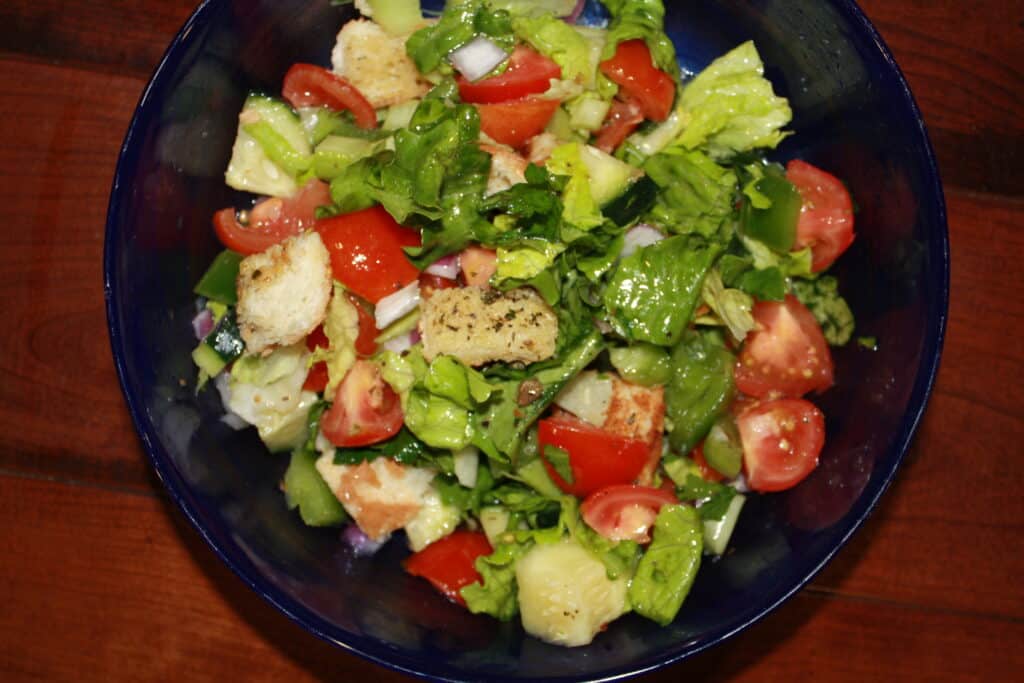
[{"x": 854, "y": 115}]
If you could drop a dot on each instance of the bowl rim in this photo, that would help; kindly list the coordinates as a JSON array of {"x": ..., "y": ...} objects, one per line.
[{"x": 373, "y": 650}]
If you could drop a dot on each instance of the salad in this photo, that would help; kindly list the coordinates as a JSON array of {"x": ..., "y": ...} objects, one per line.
[{"x": 515, "y": 293}]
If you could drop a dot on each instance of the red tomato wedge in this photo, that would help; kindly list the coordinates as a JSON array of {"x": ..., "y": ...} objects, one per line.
[
  {"x": 625, "y": 512},
  {"x": 307, "y": 85},
  {"x": 781, "y": 442},
  {"x": 366, "y": 410},
  {"x": 529, "y": 73},
  {"x": 623, "y": 118},
  {"x": 786, "y": 354},
  {"x": 513, "y": 123},
  {"x": 272, "y": 220},
  {"x": 633, "y": 70},
  {"x": 365, "y": 344},
  {"x": 597, "y": 458},
  {"x": 826, "y": 217},
  {"x": 706, "y": 471},
  {"x": 366, "y": 252},
  {"x": 449, "y": 564},
  {"x": 316, "y": 380}
]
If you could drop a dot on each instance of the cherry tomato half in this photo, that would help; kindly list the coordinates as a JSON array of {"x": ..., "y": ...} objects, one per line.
[
  {"x": 786, "y": 354},
  {"x": 781, "y": 442},
  {"x": 366, "y": 410},
  {"x": 366, "y": 252},
  {"x": 625, "y": 511},
  {"x": 597, "y": 458},
  {"x": 307, "y": 85},
  {"x": 633, "y": 70},
  {"x": 272, "y": 220},
  {"x": 826, "y": 215},
  {"x": 528, "y": 73}
]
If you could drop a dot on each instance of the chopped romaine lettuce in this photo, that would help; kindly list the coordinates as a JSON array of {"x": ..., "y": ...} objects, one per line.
[{"x": 697, "y": 195}]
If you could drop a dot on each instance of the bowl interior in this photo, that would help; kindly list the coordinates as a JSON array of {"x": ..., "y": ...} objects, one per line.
[{"x": 853, "y": 116}]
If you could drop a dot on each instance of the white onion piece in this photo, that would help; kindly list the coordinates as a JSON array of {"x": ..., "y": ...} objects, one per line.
[
  {"x": 202, "y": 324},
  {"x": 402, "y": 342},
  {"x": 361, "y": 544},
  {"x": 230, "y": 418},
  {"x": 467, "y": 466},
  {"x": 394, "y": 306},
  {"x": 447, "y": 267},
  {"x": 640, "y": 236},
  {"x": 740, "y": 484},
  {"x": 477, "y": 58}
]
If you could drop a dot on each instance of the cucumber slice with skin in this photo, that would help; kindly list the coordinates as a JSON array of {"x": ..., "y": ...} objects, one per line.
[
  {"x": 609, "y": 177},
  {"x": 221, "y": 346},
  {"x": 252, "y": 167},
  {"x": 718, "y": 532}
]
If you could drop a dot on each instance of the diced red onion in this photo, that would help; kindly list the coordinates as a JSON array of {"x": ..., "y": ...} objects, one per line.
[
  {"x": 415, "y": 336},
  {"x": 640, "y": 236},
  {"x": 202, "y": 324},
  {"x": 477, "y": 58},
  {"x": 361, "y": 544},
  {"x": 394, "y": 306},
  {"x": 447, "y": 267},
  {"x": 576, "y": 12},
  {"x": 402, "y": 342}
]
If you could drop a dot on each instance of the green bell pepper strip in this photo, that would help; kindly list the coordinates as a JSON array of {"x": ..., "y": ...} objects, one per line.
[
  {"x": 723, "y": 450},
  {"x": 668, "y": 568},
  {"x": 775, "y": 226},
  {"x": 218, "y": 282}
]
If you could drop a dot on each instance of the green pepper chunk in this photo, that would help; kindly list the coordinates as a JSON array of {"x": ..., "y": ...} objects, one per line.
[
  {"x": 700, "y": 390},
  {"x": 775, "y": 226},
  {"x": 723, "y": 450},
  {"x": 218, "y": 282},
  {"x": 667, "y": 570}
]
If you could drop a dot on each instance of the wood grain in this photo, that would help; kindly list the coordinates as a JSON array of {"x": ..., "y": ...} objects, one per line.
[
  {"x": 134, "y": 595},
  {"x": 101, "y": 579}
]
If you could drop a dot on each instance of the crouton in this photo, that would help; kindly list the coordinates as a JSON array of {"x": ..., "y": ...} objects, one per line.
[
  {"x": 540, "y": 148},
  {"x": 507, "y": 168},
  {"x": 478, "y": 326},
  {"x": 607, "y": 401},
  {"x": 283, "y": 292},
  {"x": 628, "y": 410},
  {"x": 376, "y": 64},
  {"x": 381, "y": 496}
]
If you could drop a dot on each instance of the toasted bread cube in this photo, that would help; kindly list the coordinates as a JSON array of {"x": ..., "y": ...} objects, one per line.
[
  {"x": 376, "y": 64},
  {"x": 478, "y": 326},
  {"x": 381, "y": 496},
  {"x": 283, "y": 292},
  {"x": 507, "y": 168}
]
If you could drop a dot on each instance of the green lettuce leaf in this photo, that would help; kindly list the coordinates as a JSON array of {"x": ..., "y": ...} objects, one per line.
[
  {"x": 653, "y": 292},
  {"x": 527, "y": 260},
  {"x": 342, "y": 329},
  {"x": 696, "y": 194},
  {"x": 732, "y": 306},
  {"x": 558, "y": 40},
  {"x": 458, "y": 24},
  {"x": 830, "y": 309},
  {"x": 700, "y": 389},
  {"x": 668, "y": 568},
  {"x": 731, "y": 107}
]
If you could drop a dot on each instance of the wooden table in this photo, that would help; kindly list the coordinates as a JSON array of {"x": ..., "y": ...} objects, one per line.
[{"x": 101, "y": 578}]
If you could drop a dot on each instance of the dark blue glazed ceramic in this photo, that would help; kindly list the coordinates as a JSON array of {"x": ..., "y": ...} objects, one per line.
[{"x": 853, "y": 115}]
